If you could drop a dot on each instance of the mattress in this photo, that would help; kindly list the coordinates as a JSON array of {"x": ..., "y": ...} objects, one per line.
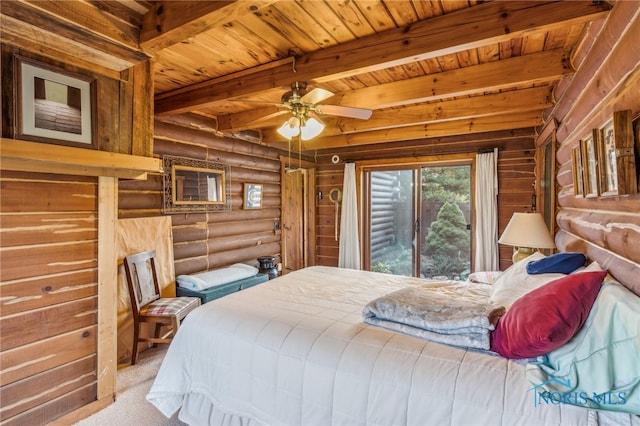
[{"x": 295, "y": 351}]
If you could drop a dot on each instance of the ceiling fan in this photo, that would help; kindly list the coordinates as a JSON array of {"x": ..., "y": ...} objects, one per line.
[{"x": 305, "y": 109}]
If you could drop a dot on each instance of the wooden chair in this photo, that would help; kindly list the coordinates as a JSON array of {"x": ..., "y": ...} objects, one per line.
[{"x": 148, "y": 306}]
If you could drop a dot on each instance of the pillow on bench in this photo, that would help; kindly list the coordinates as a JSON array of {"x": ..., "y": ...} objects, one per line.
[{"x": 202, "y": 280}]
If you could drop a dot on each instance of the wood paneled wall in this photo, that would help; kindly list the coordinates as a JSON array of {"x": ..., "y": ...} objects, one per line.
[
  {"x": 516, "y": 176},
  {"x": 209, "y": 240},
  {"x": 116, "y": 130},
  {"x": 607, "y": 229},
  {"x": 48, "y": 295},
  {"x": 52, "y": 340}
]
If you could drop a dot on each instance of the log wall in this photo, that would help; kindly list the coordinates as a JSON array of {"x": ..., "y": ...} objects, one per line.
[
  {"x": 48, "y": 267},
  {"x": 115, "y": 128},
  {"x": 607, "y": 229},
  {"x": 209, "y": 240},
  {"x": 516, "y": 176},
  {"x": 48, "y": 295},
  {"x": 53, "y": 263}
]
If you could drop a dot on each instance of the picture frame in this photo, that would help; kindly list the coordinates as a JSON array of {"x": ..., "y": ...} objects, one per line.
[
  {"x": 53, "y": 105},
  {"x": 252, "y": 196},
  {"x": 608, "y": 166},
  {"x": 617, "y": 165},
  {"x": 578, "y": 172},
  {"x": 590, "y": 166}
]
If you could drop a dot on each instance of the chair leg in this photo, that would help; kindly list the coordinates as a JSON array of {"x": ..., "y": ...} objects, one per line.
[
  {"x": 157, "y": 334},
  {"x": 175, "y": 323},
  {"x": 134, "y": 350}
]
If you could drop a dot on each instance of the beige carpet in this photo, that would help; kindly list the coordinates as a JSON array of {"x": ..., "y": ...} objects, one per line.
[{"x": 133, "y": 384}]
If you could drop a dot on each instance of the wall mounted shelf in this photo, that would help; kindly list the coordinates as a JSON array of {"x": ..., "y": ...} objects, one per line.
[{"x": 28, "y": 156}]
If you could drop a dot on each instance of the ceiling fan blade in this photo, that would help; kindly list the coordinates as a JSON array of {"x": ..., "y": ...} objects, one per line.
[
  {"x": 344, "y": 111},
  {"x": 267, "y": 118},
  {"x": 251, "y": 101},
  {"x": 316, "y": 95}
]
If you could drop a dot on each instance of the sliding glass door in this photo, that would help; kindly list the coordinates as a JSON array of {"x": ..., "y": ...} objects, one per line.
[
  {"x": 418, "y": 220},
  {"x": 392, "y": 213}
]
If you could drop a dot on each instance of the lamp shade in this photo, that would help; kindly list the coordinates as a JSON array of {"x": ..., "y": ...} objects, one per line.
[
  {"x": 311, "y": 129},
  {"x": 290, "y": 128},
  {"x": 527, "y": 230}
]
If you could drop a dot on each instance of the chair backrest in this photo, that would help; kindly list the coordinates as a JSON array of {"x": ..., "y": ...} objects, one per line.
[{"x": 142, "y": 278}]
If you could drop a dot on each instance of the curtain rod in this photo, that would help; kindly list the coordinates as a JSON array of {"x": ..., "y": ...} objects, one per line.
[{"x": 487, "y": 150}]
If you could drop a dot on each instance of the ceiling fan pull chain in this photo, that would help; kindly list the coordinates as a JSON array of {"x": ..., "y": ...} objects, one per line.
[{"x": 300, "y": 150}]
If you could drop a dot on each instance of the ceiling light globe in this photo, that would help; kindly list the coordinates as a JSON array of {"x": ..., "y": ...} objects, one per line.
[
  {"x": 311, "y": 129},
  {"x": 290, "y": 128}
]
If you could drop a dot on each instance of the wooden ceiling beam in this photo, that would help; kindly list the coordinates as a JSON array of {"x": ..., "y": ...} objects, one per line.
[
  {"x": 488, "y": 23},
  {"x": 445, "y": 128},
  {"x": 20, "y": 20},
  {"x": 533, "y": 99},
  {"x": 538, "y": 68},
  {"x": 171, "y": 22},
  {"x": 537, "y": 98},
  {"x": 514, "y": 138},
  {"x": 53, "y": 50},
  {"x": 89, "y": 16},
  {"x": 260, "y": 117}
]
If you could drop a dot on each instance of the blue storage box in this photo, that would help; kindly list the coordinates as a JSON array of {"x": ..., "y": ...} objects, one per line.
[{"x": 218, "y": 291}]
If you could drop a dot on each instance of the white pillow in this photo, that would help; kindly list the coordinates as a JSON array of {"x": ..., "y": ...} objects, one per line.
[
  {"x": 592, "y": 267},
  {"x": 514, "y": 283},
  {"x": 191, "y": 282},
  {"x": 235, "y": 272}
]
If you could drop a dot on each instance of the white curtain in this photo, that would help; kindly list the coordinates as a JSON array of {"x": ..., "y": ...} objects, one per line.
[
  {"x": 486, "y": 229},
  {"x": 212, "y": 186},
  {"x": 349, "y": 251}
]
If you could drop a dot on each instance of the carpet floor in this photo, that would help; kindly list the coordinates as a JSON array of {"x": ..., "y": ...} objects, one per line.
[{"x": 133, "y": 384}]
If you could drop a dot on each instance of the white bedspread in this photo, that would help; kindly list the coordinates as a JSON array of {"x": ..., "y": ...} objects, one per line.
[{"x": 294, "y": 351}]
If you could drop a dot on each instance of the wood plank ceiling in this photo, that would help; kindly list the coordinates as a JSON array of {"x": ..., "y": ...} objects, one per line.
[{"x": 425, "y": 68}]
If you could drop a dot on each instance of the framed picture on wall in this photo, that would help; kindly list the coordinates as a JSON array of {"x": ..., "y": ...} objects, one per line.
[
  {"x": 616, "y": 155},
  {"x": 53, "y": 104},
  {"x": 590, "y": 167},
  {"x": 607, "y": 154},
  {"x": 252, "y": 196},
  {"x": 578, "y": 171}
]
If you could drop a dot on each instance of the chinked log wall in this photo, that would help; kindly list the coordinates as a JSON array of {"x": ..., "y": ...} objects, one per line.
[
  {"x": 209, "y": 240},
  {"x": 607, "y": 229},
  {"x": 516, "y": 177}
]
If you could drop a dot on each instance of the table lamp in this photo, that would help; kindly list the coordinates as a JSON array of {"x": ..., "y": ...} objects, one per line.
[{"x": 526, "y": 232}]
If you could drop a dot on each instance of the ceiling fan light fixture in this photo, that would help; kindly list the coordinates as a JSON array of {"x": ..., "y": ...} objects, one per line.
[
  {"x": 311, "y": 128},
  {"x": 290, "y": 128}
]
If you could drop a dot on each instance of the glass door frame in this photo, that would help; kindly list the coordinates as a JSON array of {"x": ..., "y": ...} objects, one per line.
[
  {"x": 366, "y": 225},
  {"x": 406, "y": 164}
]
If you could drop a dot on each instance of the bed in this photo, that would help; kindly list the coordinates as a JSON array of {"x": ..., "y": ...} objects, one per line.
[{"x": 295, "y": 351}]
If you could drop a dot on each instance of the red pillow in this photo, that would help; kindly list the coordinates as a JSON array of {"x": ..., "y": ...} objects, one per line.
[{"x": 547, "y": 317}]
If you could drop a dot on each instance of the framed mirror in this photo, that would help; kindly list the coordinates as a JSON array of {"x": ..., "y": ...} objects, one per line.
[{"x": 195, "y": 185}]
